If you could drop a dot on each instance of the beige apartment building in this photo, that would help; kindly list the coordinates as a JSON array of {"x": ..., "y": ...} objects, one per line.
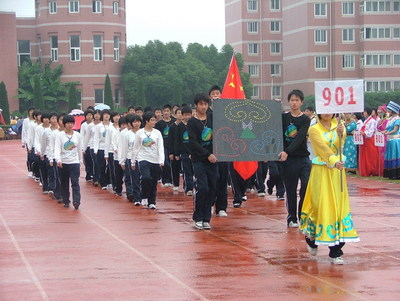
[
  {"x": 87, "y": 37},
  {"x": 288, "y": 44}
]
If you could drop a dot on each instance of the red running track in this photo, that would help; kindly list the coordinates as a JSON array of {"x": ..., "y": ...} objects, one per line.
[{"x": 111, "y": 250}]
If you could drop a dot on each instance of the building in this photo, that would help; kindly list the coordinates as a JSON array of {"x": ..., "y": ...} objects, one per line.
[
  {"x": 288, "y": 44},
  {"x": 87, "y": 37}
]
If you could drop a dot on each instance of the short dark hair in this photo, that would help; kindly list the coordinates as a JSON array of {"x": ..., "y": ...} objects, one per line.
[
  {"x": 148, "y": 108},
  {"x": 178, "y": 109},
  {"x": 167, "y": 106},
  {"x": 105, "y": 112},
  {"x": 297, "y": 93},
  {"x": 87, "y": 112},
  {"x": 45, "y": 115},
  {"x": 61, "y": 115},
  {"x": 53, "y": 114},
  {"x": 90, "y": 108},
  {"x": 139, "y": 108},
  {"x": 131, "y": 107},
  {"x": 310, "y": 109},
  {"x": 131, "y": 118},
  {"x": 147, "y": 116},
  {"x": 31, "y": 109},
  {"x": 157, "y": 109},
  {"x": 201, "y": 96},
  {"x": 186, "y": 109},
  {"x": 122, "y": 120},
  {"x": 36, "y": 113},
  {"x": 358, "y": 115},
  {"x": 113, "y": 114},
  {"x": 213, "y": 88},
  {"x": 368, "y": 110},
  {"x": 67, "y": 119}
]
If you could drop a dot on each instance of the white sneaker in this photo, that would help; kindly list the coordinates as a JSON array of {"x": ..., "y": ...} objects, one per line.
[
  {"x": 312, "y": 251},
  {"x": 137, "y": 203},
  {"x": 145, "y": 202},
  {"x": 222, "y": 213},
  {"x": 189, "y": 193},
  {"x": 212, "y": 210},
  {"x": 206, "y": 226},
  {"x": 198, "y": 225},
  {"x": 152, "y": 206},
  {"x": 30, "y": 174},
  {"x": 244, "y": 198},
  {"x": 261, "y": 194},
  {"x": 337, "y": 260},
  {"x": 45, "y": 192},
  {"x": 168, "y": 185},
  {"x": 40, "y": 184},
  {"x": 104, "y": 188},
  {"x": 293, "y": 225},
  {"x": 176, "y": 188}
]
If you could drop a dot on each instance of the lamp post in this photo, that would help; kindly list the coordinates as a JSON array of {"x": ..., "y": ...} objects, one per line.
[{"x": 272, "y": 86}]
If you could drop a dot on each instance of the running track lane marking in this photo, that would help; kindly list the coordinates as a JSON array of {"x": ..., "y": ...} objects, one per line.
[
  {"x": 155, "y": 265},
  {"x": 26, "y": 262}
]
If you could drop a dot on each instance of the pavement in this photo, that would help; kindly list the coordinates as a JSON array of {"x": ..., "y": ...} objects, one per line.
[{"x": 111, "y": 250}]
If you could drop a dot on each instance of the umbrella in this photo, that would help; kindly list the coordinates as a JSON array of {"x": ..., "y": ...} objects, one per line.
[
  {"x": 102, "y": 107},
  {"x": 76, "y": 112}
]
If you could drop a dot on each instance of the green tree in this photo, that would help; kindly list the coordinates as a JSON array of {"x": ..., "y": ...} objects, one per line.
[
  {"x": 141, "y": 98},
  {"x": 108, "y": 100},
  {"x": 4, "y": 105},
  {"x": 72, "y": 98},
  {"x": 38, "y": 100}
]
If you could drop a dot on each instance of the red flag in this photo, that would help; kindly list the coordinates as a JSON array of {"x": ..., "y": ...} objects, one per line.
[{"x": 233, "y": 89}]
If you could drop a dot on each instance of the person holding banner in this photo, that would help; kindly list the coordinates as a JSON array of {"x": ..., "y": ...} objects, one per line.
[
  {"x": 295, "y": 161},
  {"x": 350, "y": 149},
  {"x": 369, "y": 161},
  {"x": 325, "y": 215},
  {"x": 392, "y": 155}
]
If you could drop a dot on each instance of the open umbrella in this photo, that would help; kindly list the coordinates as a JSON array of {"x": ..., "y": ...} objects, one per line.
[
  {"x": 102, "y": 107},
  {"x": 76, "y": 112}
]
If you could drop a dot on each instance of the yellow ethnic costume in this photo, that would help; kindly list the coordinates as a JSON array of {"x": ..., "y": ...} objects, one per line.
[{"x": 325, "y": 215}]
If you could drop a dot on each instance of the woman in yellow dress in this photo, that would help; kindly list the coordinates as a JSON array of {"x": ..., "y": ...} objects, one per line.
[{"x": 325, "y": 216}]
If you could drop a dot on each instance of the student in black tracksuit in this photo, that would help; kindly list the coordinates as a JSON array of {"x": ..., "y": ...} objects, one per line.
[
  {"x": 182, "y": 150},
  {"x": 295, "y": 161},
  {"x": 205, "y": 170},
  {"x": 175, "y": 162}
]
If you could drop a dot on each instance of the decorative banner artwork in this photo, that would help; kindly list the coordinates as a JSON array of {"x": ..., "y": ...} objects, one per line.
[
  {"x": 341, "y": 96},
  {"x": 379, "y": 139},
  {"x": 358, "y": 138},
  {"x": 247, "y": 130}
]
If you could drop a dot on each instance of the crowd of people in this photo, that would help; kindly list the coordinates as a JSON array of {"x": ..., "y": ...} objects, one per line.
[{"x": 144, "y": 148}]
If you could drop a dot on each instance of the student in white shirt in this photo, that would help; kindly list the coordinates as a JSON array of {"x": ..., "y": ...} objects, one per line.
[
  {"x": 40, "y": 151},
  {"x": 119, "y": 172},
  {"x": 148, "y": 150},
  {"x": 89, "y": 139},
  {"x": 37, "y": 115},
  {"x": 99, "y": 145},
  {"x": 68, "y": 155},
  {"x": 125, "y": 147},
  {"x": 24, "y": 138},
  {"x": 87, "y": 159},
  {"x": 110, "y": 147}
]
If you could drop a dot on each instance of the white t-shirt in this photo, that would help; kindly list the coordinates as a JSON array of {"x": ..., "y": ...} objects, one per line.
[
  {"x": 67, "y": 148},
  {"x": 148, "y": 146}
]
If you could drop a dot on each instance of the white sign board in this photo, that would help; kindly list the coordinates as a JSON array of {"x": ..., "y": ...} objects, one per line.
[
  {"x": 341, "y": 96},
  {"x": 379, "y": 139},
  {"x": 358, "y": 138}
]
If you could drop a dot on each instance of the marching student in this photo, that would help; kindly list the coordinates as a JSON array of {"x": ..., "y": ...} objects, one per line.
[
  {"x": 24, "y": 138},
  {"x": 99, "y": 139},
  {"x": 200, "y": 129},
  {"x": 37, "y": 115},
  {"x": 89, "y": 143},
  {"x": 182, "y": 150},
  {"x": 119, "y": 173},
  {"x": 86, "y": 149},
  {"x": 45, "y": 123},
  {"x": 163, "y": 126},
  {"x": 125, "y": 147},
  {"x": 110, "y": 146},
  {"x": 175, "y": 162},
  {"x": 68, "y": 155},
  {"x": 148, "y": 150}
]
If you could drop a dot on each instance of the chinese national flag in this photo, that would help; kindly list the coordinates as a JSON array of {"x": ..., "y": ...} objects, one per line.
[{"x": 233, "y": 89}]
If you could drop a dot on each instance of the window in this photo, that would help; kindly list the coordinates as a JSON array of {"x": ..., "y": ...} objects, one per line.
[
  {"x": 396, "y": 32},
  {"x": 115, "y": 8},
  {"x": 275, "y": 69},
  {"x": 116, "y": 48},
  {"x": 348, "y": 61},
  {"x": 52, "y": 7},
  {"x": 320, "y": 35},
  {"x": 96, "y": 6},
  {"x": 74, "y": 6},
  {"x": 253, "y": 70},
  {"x": 54, "y": 48},
  {"x": 396, "y": 59},
  {"x": 117, "y": 98},
  {"x": 252, "y": 27},
  {"x": 396, "y": 5},
  {"x": 275, "y": 4},
  {"x": 375, "y": 86},
  {"x": 24, "y": 51},
  {"x": 276, "y": 47},
  {"x": 320, "y": 9},
  {"x": 97, "y": 48},
  {"x": 75, "y": 47},
  {"x": 276, "y": 91},
  {"x": 376, "y": 33},
  {"x": 377, "y": 6},
  {"x": 252, "y": 5},
  {"x": 396, "y": 85},
  {"x": 256, "y": 91},
  {"x": 348, "y": 8},
  {"x": 321, "y": 62},
  {"x": 99, "y": 95},
  {"x": 348, "y": 35},
  {"x": 377, "y": 60},
  {"x": 275, "y": 26},
  {"x": 253, "y": 48}
]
